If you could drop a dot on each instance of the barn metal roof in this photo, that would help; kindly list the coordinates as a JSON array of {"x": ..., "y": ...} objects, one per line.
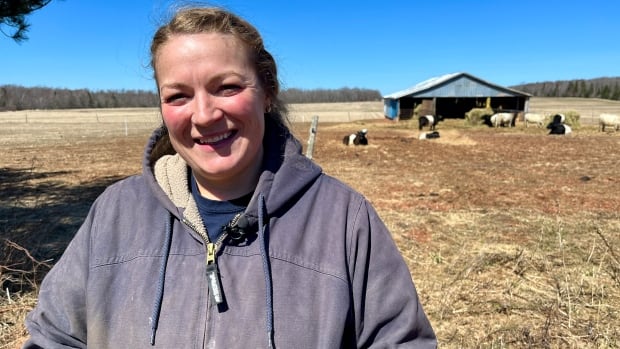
[{"x": 456, "y": 85}]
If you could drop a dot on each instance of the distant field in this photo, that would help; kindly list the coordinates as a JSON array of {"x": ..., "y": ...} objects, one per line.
[
  {"x": 24, "y": 127},
  {"x": 336, "y": 112},
  {"x": 588, "y": 109}
]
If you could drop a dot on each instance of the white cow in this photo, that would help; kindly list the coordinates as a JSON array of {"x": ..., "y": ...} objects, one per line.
[
  {"x": 608, "y": 120},
  {"x": 533, "y": 118},
  {"x": 502, "y": 119}
]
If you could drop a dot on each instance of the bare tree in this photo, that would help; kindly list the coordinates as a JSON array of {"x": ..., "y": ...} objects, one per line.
[
  {"x": 13, "y": 15},
  {"x": 606, "y": 87}
]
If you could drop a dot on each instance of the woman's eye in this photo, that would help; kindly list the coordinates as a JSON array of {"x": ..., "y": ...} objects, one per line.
[
  {"x": 176, "y": 98},
  {"x": 229, "y": 90}
]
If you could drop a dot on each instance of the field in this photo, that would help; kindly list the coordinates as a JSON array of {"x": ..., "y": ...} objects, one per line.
[{"x": 512, "y": 236}]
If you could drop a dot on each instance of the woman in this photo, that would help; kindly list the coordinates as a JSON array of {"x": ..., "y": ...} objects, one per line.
[{"x": 230, "y": 238}]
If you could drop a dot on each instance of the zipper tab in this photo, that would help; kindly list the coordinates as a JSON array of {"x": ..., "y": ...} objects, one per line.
[
  {"x": 213, "y": 277},
  {"x": 210, "y": 253}
]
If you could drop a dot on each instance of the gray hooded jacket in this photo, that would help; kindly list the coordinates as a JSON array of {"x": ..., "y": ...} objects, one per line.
[{"x": 309, "y": 265}]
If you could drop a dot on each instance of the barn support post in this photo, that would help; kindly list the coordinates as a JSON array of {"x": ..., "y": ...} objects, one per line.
[
  {"x": 526, "y": 107},
  {"x": 311, "y": 139}
]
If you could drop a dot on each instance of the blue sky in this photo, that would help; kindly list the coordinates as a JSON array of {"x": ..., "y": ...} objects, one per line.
[{"x": 382, "y": 45}]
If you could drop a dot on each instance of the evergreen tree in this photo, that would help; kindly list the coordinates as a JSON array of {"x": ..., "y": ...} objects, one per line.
[
  {"x": 605, "y": 92},
  {"x": 615, "y": 95},
  {"x": 591, "y": 90},
  {"x": 570, "y": 90},
  {"x": 582, "y": 89}
]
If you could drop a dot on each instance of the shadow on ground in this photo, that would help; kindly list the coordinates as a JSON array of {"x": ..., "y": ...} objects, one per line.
[{"x": 39, "y": 214}]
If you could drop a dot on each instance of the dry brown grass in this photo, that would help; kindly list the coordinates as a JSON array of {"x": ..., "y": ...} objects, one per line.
[{"x": 511, "y": 235}]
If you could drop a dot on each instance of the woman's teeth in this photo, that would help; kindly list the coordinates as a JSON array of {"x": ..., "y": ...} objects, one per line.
[{"x": 215, "y": 139}]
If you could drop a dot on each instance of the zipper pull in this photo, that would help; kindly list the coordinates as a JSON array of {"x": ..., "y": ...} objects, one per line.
[{"x": 213, "y": 277}]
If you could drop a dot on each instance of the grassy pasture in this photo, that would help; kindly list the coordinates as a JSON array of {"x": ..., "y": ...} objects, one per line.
[{"x": 511, "y": 235}]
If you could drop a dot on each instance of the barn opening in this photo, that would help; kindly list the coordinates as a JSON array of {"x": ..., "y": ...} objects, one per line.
[{"x": 452, "y": 96}]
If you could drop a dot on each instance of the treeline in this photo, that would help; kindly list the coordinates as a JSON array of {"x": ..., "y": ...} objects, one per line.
[
  {"x": 14, "y": 97},
  {"x": 20, "y": 98},
  {"x": 606, "y": 88},
  {"x": 345, "y": 94}
]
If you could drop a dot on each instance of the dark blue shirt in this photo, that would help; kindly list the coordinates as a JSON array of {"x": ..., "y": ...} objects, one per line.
[{"x": 216, "y": 214}]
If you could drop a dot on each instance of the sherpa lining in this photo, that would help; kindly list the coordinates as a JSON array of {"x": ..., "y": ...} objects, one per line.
[{"x": 171, "y": 173}]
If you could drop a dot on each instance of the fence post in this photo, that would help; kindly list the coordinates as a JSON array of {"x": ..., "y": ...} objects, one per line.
[{"x": 315, "y": 121}]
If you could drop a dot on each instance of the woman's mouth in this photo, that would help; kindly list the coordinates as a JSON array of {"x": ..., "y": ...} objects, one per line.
[{"x": 215, "y": 140}]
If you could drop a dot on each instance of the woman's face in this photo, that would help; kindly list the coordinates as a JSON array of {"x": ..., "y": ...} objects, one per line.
[{"x": 213, "y": 105}]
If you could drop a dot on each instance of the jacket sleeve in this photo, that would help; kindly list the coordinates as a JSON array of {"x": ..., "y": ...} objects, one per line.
[
  {"x": 59, "y": 318},
  {"x": 387, "y": 310}
]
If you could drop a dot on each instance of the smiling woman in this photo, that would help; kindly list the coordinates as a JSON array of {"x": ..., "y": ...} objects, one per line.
[
  {"x": 213, "y": 105},
  {"x": 230, "y": 238}
]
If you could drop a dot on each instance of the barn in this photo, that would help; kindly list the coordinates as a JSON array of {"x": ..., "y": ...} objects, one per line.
[{"x": 451, "y": 96}]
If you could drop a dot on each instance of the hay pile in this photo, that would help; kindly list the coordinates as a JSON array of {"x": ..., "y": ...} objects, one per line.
[
  {"x": 572, "y": 118},
  {"x": 476, "y": 115}
]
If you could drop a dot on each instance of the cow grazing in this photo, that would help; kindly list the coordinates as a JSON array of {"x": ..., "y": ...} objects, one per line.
[
  {"x": 358, "y": 138},
  {"x": 608, "y": 120},
  {"x": 429, "y": 120},
  {"x": 533, "y": 118},
  {"x": 557, "y": 126},
  {"x": 486, "y": 120},
  {"x": 503, "y": 119}
]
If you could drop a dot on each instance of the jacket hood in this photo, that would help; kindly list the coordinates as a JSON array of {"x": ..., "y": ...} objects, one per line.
[{"x": 286, "y": 172}]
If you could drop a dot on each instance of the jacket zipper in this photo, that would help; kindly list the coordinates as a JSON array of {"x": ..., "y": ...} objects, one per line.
[{"x": 213, "y": 277}]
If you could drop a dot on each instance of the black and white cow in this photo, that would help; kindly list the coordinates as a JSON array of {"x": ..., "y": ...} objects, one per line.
[
  {"x": 429, "y": 135},
  {"x": 358, "y": 138},
  {"x": 429, "y": 120},
  {"x": 558, "y": 127}
]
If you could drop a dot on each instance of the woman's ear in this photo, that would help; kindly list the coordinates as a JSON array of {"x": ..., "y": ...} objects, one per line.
[{"x": 267, "y": 105}]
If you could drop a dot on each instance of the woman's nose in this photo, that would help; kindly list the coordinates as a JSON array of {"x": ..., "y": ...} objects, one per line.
[{"x": 206, "y": 110}]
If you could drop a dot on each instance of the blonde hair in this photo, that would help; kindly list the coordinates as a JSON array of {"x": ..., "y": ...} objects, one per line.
[{"x": 196, "y": 20}]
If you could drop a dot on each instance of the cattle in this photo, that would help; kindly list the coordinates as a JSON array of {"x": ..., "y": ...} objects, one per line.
[
  {"x": 533, "y": 118},
  {"x": 562, "y": 117},
  {"x": 503, "y": 119},
  {"x": 358, "y": 138},
  {"x": 428, "y": 120},
  {"x": 429, "y": 135},
  {"x": 557, "y": 126},
  {"x": 608, "y": 120},
  {"x": 559, "y": 129}
]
